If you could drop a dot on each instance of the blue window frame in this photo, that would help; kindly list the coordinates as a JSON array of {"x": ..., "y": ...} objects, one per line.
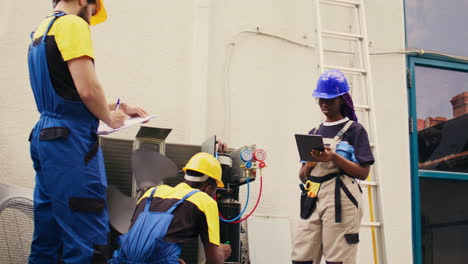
[{"x": 420, "y": 175}]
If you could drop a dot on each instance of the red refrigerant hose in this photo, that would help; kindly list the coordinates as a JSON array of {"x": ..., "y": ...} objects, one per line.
[{"x": 256, "y": 204}]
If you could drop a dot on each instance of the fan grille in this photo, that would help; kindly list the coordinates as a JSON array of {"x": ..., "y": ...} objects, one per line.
[{"x": 16, "y": 230}]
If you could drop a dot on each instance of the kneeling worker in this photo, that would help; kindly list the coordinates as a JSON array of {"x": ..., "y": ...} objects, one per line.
[{"x": 167, "y": 217}]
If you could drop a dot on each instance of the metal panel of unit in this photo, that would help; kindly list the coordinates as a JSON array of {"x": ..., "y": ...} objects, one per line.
[
  {"x": 238, "y": 173},
  {"x": 153, "y": 138},
  {"x": 152, "y": 146},
  {"x": 117, "y": 159},
  {"x": 180, "y": 155},
  {"x": 231, "y": 232},
  {"x": 151, "y": 133}
]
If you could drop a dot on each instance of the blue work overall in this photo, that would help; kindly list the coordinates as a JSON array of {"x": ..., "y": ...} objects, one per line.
[
  {"x": 144, "y": 243},
  {"x": 69, "y": 197}
]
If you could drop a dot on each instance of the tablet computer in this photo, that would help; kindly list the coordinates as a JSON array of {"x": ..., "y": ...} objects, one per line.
[{"x": 306, "y": 143}]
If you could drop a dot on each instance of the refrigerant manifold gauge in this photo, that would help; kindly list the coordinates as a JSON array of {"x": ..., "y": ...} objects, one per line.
[
  {"x": 260, "y": 155},
  {"x": 246, "y": 155}
]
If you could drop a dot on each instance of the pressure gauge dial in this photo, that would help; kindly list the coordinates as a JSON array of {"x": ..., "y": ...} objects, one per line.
[
  {"x": 246, "y": 155},
  {"x": 260, "y": 155}
]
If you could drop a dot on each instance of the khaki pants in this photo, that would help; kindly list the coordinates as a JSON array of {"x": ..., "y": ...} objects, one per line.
[{"x": 320, "y": 235}]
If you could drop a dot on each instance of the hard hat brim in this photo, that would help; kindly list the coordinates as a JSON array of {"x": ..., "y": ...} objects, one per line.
[
  {"x": 219, "y": 183},
  {"x": 326, "y": 96},
  {"x": 101, "y": 14}
]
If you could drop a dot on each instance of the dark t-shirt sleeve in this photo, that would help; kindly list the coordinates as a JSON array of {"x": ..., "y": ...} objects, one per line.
[
  {"x": 138, "y": 209},
  {"x": 313, "y": 131},
  {"x": 360, "y": 142}
]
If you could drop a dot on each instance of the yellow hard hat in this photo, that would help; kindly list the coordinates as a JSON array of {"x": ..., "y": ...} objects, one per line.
[
  {"x": 207, "y": 164},
  {"x": 101, "y": 13}
]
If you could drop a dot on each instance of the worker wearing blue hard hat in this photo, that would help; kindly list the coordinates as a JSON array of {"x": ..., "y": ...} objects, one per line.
[
  {"x": 70, "y": 213},
  {"x": 331, "y": 195}
]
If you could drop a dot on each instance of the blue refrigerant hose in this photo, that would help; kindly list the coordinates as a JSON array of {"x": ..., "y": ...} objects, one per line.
[{"x": 245, "y": 207}]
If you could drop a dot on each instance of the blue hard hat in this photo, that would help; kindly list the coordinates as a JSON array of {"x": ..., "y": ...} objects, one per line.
[{"x": 331, "y": 84}]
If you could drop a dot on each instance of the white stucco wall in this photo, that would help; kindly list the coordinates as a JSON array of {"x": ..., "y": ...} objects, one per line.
[
  {"x": 18, "y": 111},
  {"x": 144, "y": 56},
  {"x": 391, "y": 111},
  {"x": 196, "y": 66}
]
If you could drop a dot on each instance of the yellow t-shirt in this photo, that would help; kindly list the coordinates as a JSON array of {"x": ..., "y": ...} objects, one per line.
[
  {"x": 68, "y": 38},
  {"x": 72, "y": 35},
  {"x": 198, "y": 215}
]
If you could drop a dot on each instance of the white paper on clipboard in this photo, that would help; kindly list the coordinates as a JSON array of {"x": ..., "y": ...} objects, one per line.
[{"x": 106, "y": 130}]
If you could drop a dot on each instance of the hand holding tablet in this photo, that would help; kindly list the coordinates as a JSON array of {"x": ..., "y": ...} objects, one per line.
[{"x": 307, "y": 143}]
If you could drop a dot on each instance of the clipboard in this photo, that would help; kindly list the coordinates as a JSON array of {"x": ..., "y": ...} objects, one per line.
[
  {"x": 306, "y": 143},
  {"x": 104, "y": 129}
]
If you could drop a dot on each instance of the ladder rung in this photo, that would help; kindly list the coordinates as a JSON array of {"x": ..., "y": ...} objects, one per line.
[
  {"x": 374, "y": 224},
  {"x": 341, "y": 35},
  {"x": 362, "y": 107},
  {"x": 339, "y": 51},
  {"x": 345, "y": 69},
  {"x": 340, "y": 2},
  {"x": 368, "y": 183}
]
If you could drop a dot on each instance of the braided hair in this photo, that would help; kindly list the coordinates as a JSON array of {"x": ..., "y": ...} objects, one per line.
[{"x": 348, "y": 107}]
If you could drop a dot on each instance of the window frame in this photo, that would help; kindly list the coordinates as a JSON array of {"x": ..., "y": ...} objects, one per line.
[{"x": 436, "y": 62}]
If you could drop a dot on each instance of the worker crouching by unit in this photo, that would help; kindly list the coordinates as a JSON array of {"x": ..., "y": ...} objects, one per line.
[
  {"x": 167, "y": 217},
  {"x": 331, "y": 199}
]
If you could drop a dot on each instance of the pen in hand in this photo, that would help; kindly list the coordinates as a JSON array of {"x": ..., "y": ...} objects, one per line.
[{"x": 117, "y": 105}]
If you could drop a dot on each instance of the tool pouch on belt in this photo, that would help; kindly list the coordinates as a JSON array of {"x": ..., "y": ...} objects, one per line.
[
  {"x": 309, "y": 198},
  {"x": 307, "y": 205}
]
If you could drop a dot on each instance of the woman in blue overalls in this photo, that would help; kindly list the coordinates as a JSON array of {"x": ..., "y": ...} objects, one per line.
[{"x": 331, "y": 200}]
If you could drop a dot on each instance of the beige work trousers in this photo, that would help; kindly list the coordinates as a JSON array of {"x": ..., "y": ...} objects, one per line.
[{"x": 320, "y": 235}]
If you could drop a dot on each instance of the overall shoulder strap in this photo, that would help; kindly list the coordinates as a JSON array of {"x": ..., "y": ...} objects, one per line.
[
  {"x": 150, "y": 199},
  {"x": 56, "y": 15},
  {"x": 182, "y": 200},
  {"x": 341, "y": 133}
]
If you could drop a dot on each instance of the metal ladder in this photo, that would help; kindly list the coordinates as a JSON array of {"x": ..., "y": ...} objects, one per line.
[{"x": 352, "y": 46}]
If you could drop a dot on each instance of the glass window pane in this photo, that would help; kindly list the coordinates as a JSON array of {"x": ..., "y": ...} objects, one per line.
[
  {"x": 437, "y": 25},
  {"x": 442, "y": 116},
  {"x": 444, "y": 221}
]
